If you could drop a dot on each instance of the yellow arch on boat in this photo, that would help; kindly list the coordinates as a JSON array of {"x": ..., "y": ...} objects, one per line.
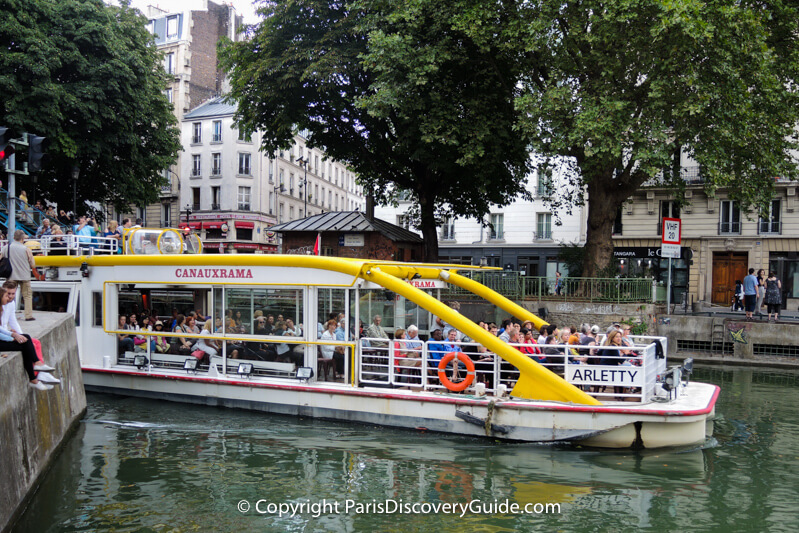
[{"x": 535, "y": 382}]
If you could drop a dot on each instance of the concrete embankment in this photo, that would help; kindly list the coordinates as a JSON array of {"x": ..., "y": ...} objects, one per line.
[{"x": 34, "y": 424}]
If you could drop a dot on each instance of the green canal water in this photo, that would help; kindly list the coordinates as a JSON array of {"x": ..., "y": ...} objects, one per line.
[{"x": 137, "y": 465}]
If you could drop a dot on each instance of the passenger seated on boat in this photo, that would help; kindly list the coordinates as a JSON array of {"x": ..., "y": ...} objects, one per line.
[
  {"x": 374, "y": 331},
  {"x": 406, "y": 362},
  {"x": 435, "y": 348},
  {"x": 161, "y": 344},
  {"x": 209, "y": 346},
  {"x": 181, "y": 345},
  {"x": 414, "y": 343},
  {"x": 124, "y": 342},
  {"x": 329, "y": 350},
  {"x": 610, "y": 356}
]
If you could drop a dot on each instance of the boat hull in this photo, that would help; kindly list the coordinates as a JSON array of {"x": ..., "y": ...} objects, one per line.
[{"x": 620, "y": 426}]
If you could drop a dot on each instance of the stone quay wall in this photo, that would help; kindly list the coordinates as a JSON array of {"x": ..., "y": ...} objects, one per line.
[{"x": 34, "y": 424}]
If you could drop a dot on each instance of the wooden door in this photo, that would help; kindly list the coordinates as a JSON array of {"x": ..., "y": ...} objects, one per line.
[{"x": 727, "y": 268}]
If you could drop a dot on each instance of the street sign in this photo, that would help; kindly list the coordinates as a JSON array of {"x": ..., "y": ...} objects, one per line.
[
  {"x": 672, "y": 231},
  {"x": 671, "y": 251}
]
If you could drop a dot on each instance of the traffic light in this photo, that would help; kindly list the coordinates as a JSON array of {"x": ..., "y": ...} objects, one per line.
[
  {"x": 6, "y": 148},
  {"x": 37, "y": 146}
]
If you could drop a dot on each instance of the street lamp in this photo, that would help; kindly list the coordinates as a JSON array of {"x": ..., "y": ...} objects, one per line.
[
  {"x": 75, "y": 176},
  {"x": 303, "y": 162},
  {"x": 188, "y": 213}
]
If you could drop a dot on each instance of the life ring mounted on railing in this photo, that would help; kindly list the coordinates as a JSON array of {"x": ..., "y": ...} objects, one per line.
[{"x": 442, "y": 375}]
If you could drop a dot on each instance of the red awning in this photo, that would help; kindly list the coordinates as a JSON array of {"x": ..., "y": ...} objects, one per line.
[
  {"x": 215, "y": 224},
  {"x": 245, "y": 225},
  {"x": 192, "y": 225},
  {"x": 246, "y": 246}
]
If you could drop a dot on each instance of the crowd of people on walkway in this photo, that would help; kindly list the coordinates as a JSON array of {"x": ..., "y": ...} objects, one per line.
[{"x": 755, "y": 290}]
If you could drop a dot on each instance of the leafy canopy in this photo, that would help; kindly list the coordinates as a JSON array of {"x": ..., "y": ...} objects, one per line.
[
  {"x": 88, "y": 77},
  {"x": 393, "y": 90}
]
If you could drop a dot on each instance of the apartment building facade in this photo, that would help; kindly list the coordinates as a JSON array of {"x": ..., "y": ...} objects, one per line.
[
  {"x": 232, "y": 192},
  {"x": 522, "y": 236},
  {"x": 720, "y": 241}
]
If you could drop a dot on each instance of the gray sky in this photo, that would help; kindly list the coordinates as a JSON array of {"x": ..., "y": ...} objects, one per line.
[{"x": 243, "y": 7}]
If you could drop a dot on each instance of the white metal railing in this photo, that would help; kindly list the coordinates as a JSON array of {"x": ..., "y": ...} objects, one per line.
[
  {"x": 621, "y": 372},
  {"x": 70, "y": 245}
]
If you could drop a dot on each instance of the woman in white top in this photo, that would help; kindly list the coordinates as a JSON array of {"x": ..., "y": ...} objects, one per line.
[
  {"x": 207, "y": 345},
  {"x": 329, "y": 335}
]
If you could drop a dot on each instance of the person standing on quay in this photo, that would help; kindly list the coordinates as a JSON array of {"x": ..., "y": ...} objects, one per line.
[
  {"x": 761, "y": 291},
  {"x": 750, "y": 294},
  {"x": 773, "y": 295},
  {"x": 22, "y": 263}
]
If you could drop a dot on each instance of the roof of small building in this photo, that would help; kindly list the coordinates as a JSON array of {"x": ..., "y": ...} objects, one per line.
[
  {"x": 215, "y": 107},
  {"x": 350, "y": 222}
]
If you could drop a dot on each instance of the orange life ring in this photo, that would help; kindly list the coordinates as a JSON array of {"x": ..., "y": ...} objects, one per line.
[{"x": 442, "y": 376}]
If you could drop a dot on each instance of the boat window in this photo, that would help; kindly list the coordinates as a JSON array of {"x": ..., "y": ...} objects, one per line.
[
  {"x": 330, "y": 304},
  {"x": 97, "y": 311},
  {"x": 52, "y": 301},
  {"x": 247, "y": 304},
  {"x": 77, "y": 309},
  {"x": 395, "y": 311}
]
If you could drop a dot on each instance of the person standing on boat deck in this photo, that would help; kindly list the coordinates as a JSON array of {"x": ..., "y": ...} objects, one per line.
[
  {"x": 773, "y": 295},
  {"x": 22, "y": 263},
  {"x": 85, "y": 228},
  {"x": 374, "y": 331},
  {"x": 761, "y": 291},
  {"x": 44, "y": 230},
  {"x": 750, "y": 294},
  {"x": 8, "y": 321},
  {"x": 11, "y": 341}
]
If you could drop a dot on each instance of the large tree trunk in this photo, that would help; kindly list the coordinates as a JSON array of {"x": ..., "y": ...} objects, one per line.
[
  {"x": 427, "y": 210},
  {"x": 603, "y": 205}
]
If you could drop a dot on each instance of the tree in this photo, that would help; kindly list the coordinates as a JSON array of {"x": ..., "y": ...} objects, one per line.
[
  {"x": 394, "y": 91},
  {"x": 88, "y": 77},
  {"x": 619, "y": 88}
]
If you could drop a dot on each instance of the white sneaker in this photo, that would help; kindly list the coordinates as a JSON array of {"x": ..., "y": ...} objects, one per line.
[
  {"x": 40, "y": 386},
  {"x": 47, "y": 378},
  {"x": 43, "y": 368}
]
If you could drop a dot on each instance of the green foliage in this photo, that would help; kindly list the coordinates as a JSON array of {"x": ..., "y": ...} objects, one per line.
[
  {"x": 88, "y": 77},
  {"x": 572, "y": 255},
  {"x": 620, "y": 88},
  {"x": 637, "y": 326},
  {"x": 393, "y": 89}
]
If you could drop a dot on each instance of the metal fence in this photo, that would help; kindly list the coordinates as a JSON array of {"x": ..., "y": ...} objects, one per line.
[{"x": 516, "y": 286}]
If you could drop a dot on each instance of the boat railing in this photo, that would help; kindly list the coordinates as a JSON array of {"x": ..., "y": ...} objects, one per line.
[
  {"x": 626, "y": 373},
  {"x": 70, "y": 245}
]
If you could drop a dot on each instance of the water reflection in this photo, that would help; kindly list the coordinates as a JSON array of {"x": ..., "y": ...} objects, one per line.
[{"x": 143, "y": 465}]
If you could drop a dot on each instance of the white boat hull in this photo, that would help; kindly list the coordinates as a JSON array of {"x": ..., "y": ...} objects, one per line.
[{"x": 681, "y": 422}]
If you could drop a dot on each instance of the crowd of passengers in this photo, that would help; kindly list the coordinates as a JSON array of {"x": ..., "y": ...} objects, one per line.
[{"x": 549, "y": 345}]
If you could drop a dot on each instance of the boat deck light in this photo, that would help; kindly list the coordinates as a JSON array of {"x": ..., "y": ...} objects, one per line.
[
  {"x": 244, "y": 370},
  {"x": 140, "y": 361},
  {"x": 190, "y": 364}
]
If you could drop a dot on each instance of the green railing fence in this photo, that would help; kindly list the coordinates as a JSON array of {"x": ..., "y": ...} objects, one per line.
[{"x": 516, "y": 286}]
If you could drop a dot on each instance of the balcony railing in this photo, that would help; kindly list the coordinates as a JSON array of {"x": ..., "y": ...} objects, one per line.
[
  {"x": 729, "y": 228},
  {"x": 769, "y": 227},
  {"x": 515, "y": 285},
  {"x": 543, "y": 235}
]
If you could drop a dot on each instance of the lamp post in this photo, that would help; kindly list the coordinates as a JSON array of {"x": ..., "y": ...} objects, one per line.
[
  {"x": 188, "y": 213},
  {"x": 303, "y": 162},
  {"x": 75, "y": 176}
]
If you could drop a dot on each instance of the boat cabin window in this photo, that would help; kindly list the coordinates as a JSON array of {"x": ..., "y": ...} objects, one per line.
[
  {"x": 97, "y": 311},
  {"x": 261, "y": 311},
  {"x": 395, "y": 311},
  {"x": 51, "y": 301}
]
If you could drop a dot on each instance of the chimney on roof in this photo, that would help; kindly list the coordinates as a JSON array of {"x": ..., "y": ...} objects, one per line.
[{"x": 369, "y": 212}]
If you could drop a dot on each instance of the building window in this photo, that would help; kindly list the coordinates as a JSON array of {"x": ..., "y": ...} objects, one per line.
[
  {"x": 271, "y": 172},
  {"x": 169, "y": 63},
  {"x": 617, "y": 228},
  {"x": 151, "y": 26},
  {"x": 543, "y": 228},
  {"x": 168, "y": 94},
  {"x": 245, "y": 136},
  {"x": 730, "y": 218},
  {"x": 244, "y": 164},
  {"x": 668, "y": 209},
  {"x": 282, "y": 182},
  {"x": 329, "y": 198},
  {"x": 544, "y": 188},
  {"x": 404, "y": 221},
  {"x": 271, "y": 202},
  {"x": 447, "y": 229},
  {"x": 291, "y": 212},
  {"x": 216, "y": 164},
  {"x": 496, "y": 226},
  {"x": 771, "y": 223},
  {"x": 244, "y": 199},
  {"x": 195, "y": 198},
  {"x": 216, "y": 127},
  {"x": 172, "y": 27},
  {"x": 215, "y": 194},
  {"x": 166, "y": 215},
  {"x": 197, "y": 135},
  {"x": 195, "y": 165},
  {"x": 316, "y": 193},
  {"x": 280, "y": 212},
  {"x": 291, "y": 184}
]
